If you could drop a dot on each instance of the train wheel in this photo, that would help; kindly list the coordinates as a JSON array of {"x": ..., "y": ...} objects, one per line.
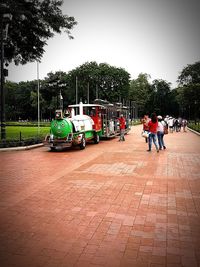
[
  {"x": 83, "y": 143},
  {"x": 96, "y": 138}
]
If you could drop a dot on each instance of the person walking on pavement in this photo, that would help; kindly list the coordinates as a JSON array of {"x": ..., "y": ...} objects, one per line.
[
  {"x": 122, "y": 124},
  {"x": 160, "y": 132},
  {"x": 153, "y": 125},
  {"x": 171, "y": 124},
  {"x": 145, "y": 121},
  {"x": 184, "y": 124}
]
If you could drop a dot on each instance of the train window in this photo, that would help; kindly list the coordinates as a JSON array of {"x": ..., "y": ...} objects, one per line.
[
  {"x": 92, "y": 113},
  {"x": 76, "y": 110},
  {"x": 85, "y": 111}
]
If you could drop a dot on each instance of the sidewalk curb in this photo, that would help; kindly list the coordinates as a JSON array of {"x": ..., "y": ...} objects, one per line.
[
  {"x": 20, "y": 148},
  {"x": 193, "y": 131}
]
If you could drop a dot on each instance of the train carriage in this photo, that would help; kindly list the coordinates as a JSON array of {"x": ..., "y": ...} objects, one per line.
[{"x": 110, "y": 115}]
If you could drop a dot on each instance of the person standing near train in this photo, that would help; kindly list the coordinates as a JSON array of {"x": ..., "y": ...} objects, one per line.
[{"x": 122, "y": 125}]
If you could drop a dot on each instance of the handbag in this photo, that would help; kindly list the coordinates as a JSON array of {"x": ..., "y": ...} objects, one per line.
[
  {"x": 165, "y": 130},
  {"x": 145, "y": 134}
]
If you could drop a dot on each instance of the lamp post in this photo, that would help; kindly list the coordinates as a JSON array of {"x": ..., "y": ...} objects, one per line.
[
  {"x": 4, "y": 23},
  {"x": 38, "y": 91},
  {"x": 76, "y": 90},
  {"x": 61, "y": 100},
  {"x": 58, "y": 84},
  {"x": 195, "y": 112},
  {"x": 97, "y": 93},
  {"x": 88, "y": 92},
  {"x": 3, "y": 132}
]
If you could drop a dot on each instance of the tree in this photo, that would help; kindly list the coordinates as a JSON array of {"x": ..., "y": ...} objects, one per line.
[
  {"x": 11, "y": 107},
  {"x": 32, "y": 24},
  {"x": 161, "y": 100},
  {"x": 190, "y": 74},
  {"x": 140, "y": 92},
  {"x": 85, "y": 78},
  {"x": 102, "y": 81},
  {"x": 18, "y": 100},
  {"x": 188, "y": 98},
  {"x": 189, "y": 91},
  {"x": 34, "y": 104},
  {"x": 155, "y": 97},
  {"x": 173, "y": 105},
  {"x": 52, "y": 87},
  {"x": 114, "y": 83}
]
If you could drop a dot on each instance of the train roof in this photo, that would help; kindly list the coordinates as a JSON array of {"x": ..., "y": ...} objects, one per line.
[
  {"x": 102, "y": 104},
  {"x": 86, "y": 105}
]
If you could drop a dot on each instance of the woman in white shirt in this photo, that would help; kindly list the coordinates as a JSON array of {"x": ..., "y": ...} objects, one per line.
[{"x": 160, "y": 132}]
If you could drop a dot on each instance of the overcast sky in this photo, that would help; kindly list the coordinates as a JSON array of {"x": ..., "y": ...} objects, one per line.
[{"x": 157, "y": 37}]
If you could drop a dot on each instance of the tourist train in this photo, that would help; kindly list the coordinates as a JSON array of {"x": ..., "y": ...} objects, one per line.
[{"x": 82, "y": 123}]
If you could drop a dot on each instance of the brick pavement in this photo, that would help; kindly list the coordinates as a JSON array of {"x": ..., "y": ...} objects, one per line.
[{"x": 110, "y": 205}]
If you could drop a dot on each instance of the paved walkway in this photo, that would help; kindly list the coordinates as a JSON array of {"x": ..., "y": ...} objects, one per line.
[{"x": 110, "y": 205}]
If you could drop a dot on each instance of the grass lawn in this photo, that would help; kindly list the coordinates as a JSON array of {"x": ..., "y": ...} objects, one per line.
[
  {"x": 13, "y": 132},
  {"x": 195, "y": 127}
]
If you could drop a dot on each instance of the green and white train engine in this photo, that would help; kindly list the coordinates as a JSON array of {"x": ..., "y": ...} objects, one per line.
[{"x": 75, "y": 130}]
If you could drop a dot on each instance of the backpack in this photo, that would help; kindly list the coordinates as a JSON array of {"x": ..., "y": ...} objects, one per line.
[{"x": 165, "y": 126}]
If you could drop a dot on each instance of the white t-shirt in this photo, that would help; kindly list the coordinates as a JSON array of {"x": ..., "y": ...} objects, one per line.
[
  {"x": 160, "y": 127},
  {"x": 171, "y": 122}
]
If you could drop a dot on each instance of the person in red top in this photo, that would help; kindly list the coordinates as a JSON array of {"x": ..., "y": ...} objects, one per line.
[
  {"x": 145, "y": 120},
  {"x": 153, "y": 124},
  {"x": 122, "y": 125}
]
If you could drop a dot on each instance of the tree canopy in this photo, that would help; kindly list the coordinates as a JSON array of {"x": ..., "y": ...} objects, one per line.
[
  {"x": 91, "y": 79},
  {"x": 152, "y": 97},
  {"x": 105, "y": 82},
  {"x": 140, "y": 91},
  {"x": 161, "y": 100},
  {"x": 190, "y": 74},
  {"x": 32, "y": 24},
  {"x": 188, "y": 92}
]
